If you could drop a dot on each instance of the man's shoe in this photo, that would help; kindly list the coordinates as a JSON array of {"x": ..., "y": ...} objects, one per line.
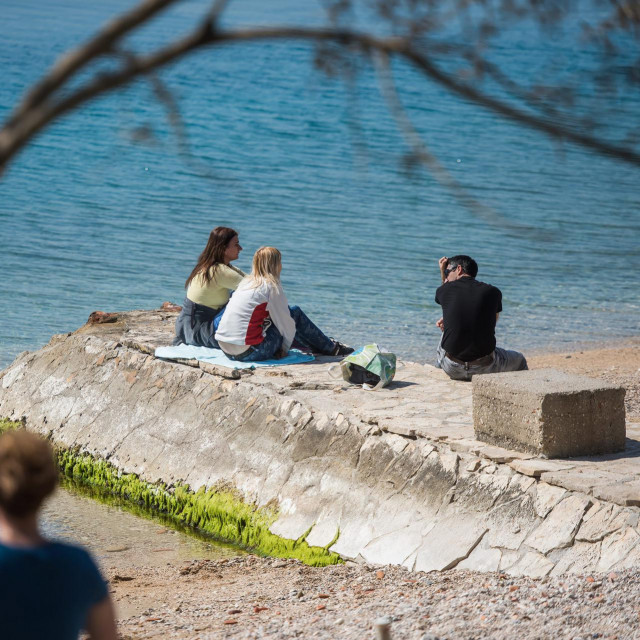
[{"x": 340, "y": 349}]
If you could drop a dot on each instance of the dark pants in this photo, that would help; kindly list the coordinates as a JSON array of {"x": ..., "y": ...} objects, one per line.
[{"x": 197, "y": 325}]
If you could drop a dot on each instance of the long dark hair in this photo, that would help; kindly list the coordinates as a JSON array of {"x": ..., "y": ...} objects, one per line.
[{"x": 213, "y": 254}]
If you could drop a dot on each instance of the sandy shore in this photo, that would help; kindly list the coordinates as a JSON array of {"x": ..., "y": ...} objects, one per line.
[
  {"x": 620, "y": 365},
  {"x": 250, "y": 597}
]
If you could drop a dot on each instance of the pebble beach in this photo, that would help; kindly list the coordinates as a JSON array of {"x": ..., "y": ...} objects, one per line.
[{"x": 251, "y": 597}]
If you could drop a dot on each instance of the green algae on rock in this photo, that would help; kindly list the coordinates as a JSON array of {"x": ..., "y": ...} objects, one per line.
[
  {"x": 8, "y": 425},
  {"x": 220, "y": 513}
]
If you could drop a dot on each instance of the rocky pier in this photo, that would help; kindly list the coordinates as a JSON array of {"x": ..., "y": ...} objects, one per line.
[{"x": 392, "y": 477}]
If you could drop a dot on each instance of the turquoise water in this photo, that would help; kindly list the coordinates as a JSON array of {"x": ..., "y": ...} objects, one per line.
[{"x": 90, "y": 219}]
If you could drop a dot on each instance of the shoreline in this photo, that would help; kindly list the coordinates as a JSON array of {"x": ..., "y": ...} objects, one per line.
[
  {"x": 261, "y": 598},
  {"x": 629, "y": 342}
]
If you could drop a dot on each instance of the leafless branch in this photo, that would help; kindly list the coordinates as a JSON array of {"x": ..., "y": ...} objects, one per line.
[
  {"x": 430, "y": 161},
  {"x": 100, "y": 44},
  {"x": 40, "y": 107}
]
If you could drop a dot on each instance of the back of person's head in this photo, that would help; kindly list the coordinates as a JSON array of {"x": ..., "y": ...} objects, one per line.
[
  {"x": 28, "y": 472},
  {"x": 267, "y": 264},
  {"x": 213, "y": 254},
  {"x": 469, "y": 265}
]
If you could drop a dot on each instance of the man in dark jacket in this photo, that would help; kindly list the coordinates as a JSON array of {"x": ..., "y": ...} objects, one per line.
[{"x": 470, "y": 310}]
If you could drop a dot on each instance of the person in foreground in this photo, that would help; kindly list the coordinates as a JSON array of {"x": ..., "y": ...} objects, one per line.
[
  {"x": 47, "y": 589},
  {"x": 258, "y": 323},
  {"x": 208, "y": 289},
  {"x": 470, "y": 310}
]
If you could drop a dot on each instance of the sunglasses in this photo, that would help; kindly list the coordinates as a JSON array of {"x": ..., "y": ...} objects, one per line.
[{"x": 448, "y": 270}]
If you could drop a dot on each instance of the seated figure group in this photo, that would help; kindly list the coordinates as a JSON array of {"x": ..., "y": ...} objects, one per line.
[
  {"x": 249, "y": 318},
  {"x": 256, "y": 322}
]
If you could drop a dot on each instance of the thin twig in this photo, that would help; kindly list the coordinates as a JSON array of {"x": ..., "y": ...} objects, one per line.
[
  {"x": 15, "y": 135},
  {"x": 430, "y": 161},
  {"x": 100, "y": 44}
]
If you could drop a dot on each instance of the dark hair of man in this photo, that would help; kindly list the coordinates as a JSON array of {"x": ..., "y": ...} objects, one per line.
[
  {"x": 213, "y": 254},
  {"x": 28, "y": 473},
  {"x": 469, "y": 265}
]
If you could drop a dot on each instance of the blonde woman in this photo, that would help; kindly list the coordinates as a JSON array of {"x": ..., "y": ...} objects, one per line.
[
  {"x": 258, "y": 323},
  {"x": 47, "y": 589}
]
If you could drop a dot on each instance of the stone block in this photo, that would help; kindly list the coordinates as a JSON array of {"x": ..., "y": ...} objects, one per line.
[
  {"x": 548, "y": 412},
  {"x": 535, "y": 467},
  {"x": 501, "y": 455}
]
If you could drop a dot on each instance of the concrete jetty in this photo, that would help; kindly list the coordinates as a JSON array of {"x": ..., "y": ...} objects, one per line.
[{"x": 394, "y": 476}]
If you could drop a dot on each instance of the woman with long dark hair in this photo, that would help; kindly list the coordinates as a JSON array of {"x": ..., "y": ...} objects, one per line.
[
  {"x": 208, "y": 289},
  {"x": 259, "y": 324},
  {"x": 47, "y": 589}
]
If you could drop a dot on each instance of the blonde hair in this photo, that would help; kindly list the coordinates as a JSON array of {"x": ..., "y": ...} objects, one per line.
[
  {"x": 267, "y": 264},
  {"x": 28, "y": 472}
]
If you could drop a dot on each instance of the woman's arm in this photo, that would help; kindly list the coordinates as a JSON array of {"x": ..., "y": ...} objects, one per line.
[
  {"x": 101, "y": 621},
  {"x": 278, "y": 308}
]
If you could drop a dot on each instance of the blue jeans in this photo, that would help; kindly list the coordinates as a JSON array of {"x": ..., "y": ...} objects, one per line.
[
  {"x": 307, "y": 335},
  {"x": 503, "y": 360}
]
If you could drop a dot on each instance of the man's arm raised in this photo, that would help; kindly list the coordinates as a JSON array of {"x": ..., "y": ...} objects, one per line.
[{"x": 442, "y": 263}]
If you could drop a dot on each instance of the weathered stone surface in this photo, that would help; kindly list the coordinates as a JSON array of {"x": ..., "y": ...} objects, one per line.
[
  {"x": 465, "y": 445},
  {"x": 549, "y": 413},
  {"x": 441, "y": 550},
  {"x": 535, "y": 467},
  {"x": 395, "y": 547},
  {"x": 582, "y": 557},
  {"x": 521, "y": 483},
  {"x": 631, "y": 560},
  {"x": 286, "y": 438},
  {"x": 616, "y": 547},
  {"x": 583, "y": 478},
  {"x": 531, "y": 564},
  {"x": 482, "y": 558},
  {"x": 606, "y": 519},
  {"x": 547, "y": 497},
  {"x": 502, "y": 455},
  {"x": 401, "y": 430},
  {"x": 559, "y": 528},
  {"x": 508, "y": 527},
  {"x": 626, "y": 494}
]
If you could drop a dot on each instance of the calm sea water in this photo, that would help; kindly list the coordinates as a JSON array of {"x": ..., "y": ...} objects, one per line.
[{"x": 90, "y": 219}]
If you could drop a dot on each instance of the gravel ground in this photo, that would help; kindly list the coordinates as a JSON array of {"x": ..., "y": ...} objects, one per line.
[{"x": 251, "y": 597}]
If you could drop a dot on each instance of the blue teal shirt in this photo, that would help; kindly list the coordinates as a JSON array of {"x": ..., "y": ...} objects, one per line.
[{"x": 47, "y": 591}]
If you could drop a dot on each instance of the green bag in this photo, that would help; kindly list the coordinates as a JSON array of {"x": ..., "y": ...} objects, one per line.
[{"x": 368, "y": 366}]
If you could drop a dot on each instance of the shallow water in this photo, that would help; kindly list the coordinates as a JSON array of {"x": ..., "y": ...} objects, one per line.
[{"x": 119, "y": 538}]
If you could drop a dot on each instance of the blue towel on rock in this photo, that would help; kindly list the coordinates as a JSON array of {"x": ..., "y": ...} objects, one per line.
[{"x": 216, "y": 356}]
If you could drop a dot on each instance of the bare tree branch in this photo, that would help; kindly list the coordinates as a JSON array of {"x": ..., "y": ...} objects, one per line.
[
  {"x": 430, "y": 161},
  {"x": 102, "y": 43},
  {"x": 217, "y": 9},
  {"x": 40, "y": 109}
]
